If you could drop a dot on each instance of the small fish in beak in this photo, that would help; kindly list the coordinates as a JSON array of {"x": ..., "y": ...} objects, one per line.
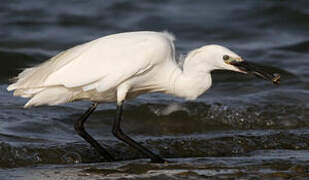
[{"x": 255, "y": 70}]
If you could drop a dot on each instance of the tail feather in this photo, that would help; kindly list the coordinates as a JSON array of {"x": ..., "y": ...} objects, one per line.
[
  {"x": 51, "y": 96},
  {"x": 35, "y": 77},
  {"x": 18, "y": 80},
  {"x": 27, "y": 93},
  {"x": 31, "y": 83}
]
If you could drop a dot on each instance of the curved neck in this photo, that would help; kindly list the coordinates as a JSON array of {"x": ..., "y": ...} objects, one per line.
[{"x": 189, "y": 83}]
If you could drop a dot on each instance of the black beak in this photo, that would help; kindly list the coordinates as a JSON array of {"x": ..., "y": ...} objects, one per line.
[{"x": 256, "y": 70}]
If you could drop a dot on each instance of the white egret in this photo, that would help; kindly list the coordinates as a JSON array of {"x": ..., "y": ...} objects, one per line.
[{"x": 121, "y": 66}]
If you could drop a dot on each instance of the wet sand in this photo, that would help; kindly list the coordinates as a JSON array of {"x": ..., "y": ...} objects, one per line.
[{"x": 271, "y": 164}]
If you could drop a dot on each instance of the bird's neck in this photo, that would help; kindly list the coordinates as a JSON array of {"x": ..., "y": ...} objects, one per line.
[{"x": 190, "y": 82}]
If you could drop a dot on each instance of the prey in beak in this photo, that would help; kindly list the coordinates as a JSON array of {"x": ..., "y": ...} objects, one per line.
[{"x": 251, "y": 68}]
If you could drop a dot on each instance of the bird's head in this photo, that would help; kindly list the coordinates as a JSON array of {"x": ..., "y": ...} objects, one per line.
[{"x": 218, "y": 57}]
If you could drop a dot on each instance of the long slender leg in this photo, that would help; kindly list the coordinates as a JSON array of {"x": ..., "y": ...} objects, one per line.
[
  {"x": 80, "y": 129},
  {"x": 120, "y": 135}
]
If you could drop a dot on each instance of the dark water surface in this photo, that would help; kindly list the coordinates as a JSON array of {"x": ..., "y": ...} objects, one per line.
[{"x": 242, "y": 127}]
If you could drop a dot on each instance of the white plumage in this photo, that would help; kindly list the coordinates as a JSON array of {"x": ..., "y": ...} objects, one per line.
[{"x": 120, "y": 66}]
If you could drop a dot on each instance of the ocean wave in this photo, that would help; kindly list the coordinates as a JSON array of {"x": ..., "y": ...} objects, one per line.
[
  {"x": 301, "y": 47},
  {"x": 12, "y": 63},
  {"x": 29, "y": 154}
]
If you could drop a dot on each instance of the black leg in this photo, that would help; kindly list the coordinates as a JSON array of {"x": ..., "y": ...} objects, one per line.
[
  {"x": 120, "y": 135},
  {"x": 80, "y": 129}
]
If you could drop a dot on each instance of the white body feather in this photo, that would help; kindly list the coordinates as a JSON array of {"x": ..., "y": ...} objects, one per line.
[{"x": 113, "y": 68}]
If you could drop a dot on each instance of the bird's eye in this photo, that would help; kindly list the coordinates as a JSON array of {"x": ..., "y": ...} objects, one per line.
[{"x": 226, "y": 57}]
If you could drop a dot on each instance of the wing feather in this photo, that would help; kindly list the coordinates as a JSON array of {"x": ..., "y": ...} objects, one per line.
[
  {"x": 103, "y": 67},
  {"x": 101, "y": 64}
]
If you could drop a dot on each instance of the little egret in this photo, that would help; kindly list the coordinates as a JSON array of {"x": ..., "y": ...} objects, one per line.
[{"x": 122, "y": 66}]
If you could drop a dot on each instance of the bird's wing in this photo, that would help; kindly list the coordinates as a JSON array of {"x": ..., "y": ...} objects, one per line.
[
  {"x": 102, "y": 64},
  {"x": 35, "y": 77}
]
